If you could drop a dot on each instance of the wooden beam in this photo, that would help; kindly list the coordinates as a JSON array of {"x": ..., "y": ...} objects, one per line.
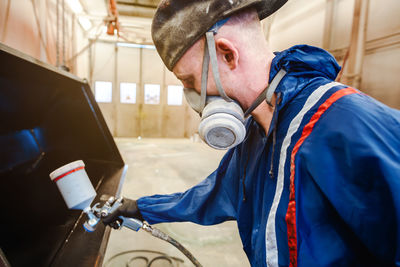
[{"x": 357, "y": 44}]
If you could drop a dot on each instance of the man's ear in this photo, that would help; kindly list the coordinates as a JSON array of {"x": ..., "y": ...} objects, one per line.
[{"x": 229, "y": 52}]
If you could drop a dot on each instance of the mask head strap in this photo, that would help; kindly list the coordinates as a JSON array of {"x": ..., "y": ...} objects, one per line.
[
  {"x": 210, "y": 53},
  {"x": 210, "y": 43},
  {"x": 267, "y": 93},
  {"x": 204, "y": 78},
  {"x": 214, "y": 65}
]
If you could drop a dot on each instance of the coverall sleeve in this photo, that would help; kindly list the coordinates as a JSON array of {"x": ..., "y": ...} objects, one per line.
[
  {"x": 209, "y": 202},
  {"x": 353, "y": 157}
]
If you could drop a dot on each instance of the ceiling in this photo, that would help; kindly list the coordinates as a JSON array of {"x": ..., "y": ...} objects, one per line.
[
  {"x": 134, "y": 17},
  {"x": 137, "y": 8}
]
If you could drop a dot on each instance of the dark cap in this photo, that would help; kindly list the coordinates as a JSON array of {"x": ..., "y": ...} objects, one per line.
[{"x": 178, "y": 24}]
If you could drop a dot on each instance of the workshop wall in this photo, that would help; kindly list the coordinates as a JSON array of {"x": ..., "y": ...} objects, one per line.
[
  {"x": 144, "y": 98},
  {"x": 366, "y": 42}
]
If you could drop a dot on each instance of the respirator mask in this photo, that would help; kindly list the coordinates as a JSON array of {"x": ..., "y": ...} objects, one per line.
[{"x": 222, "y": 119}]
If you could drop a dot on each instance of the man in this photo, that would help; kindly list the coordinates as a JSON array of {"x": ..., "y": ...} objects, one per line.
[{"x": 313, "y": 179}]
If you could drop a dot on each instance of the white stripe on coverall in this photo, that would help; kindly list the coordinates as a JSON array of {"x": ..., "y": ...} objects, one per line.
[{"x": 270, "y": 234}]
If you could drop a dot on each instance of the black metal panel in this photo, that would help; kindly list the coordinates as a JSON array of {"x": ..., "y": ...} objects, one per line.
[{"x": 49, "y": 118}]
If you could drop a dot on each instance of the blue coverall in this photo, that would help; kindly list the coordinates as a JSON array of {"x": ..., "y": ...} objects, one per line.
[{"x": 331, "y": 151}]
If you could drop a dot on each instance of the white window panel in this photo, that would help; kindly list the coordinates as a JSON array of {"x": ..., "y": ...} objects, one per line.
[
  {"x": 175, "y": 93},
  {"x": 127, "y": 93},
  {"x": 103, "y": 91},
  {"x": 152, "y": 94}
]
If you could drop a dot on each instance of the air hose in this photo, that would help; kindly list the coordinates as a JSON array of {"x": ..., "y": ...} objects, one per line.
[{"x": 161, "y": 235}]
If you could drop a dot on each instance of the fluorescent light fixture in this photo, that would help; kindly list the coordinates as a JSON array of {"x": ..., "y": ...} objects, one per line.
[
  {"x": 75, "y": 5},
  {"x": 85, "y": 23},
  {"x": 136, "y": 45},
  {"x": 148, "y": 46}
]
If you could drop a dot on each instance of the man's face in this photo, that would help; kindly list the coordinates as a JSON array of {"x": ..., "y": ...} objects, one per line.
[{"x": 188, "y": 69}]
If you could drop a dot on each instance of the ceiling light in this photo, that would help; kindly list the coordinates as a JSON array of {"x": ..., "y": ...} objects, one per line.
[
  {"x": 85, "y": 23},
  {"x": 75, "y": 5},
  {"x": 132, "y": 45}
]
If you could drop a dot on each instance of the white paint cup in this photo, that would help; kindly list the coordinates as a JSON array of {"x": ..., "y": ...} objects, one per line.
[{"x": 74, "y": 185}]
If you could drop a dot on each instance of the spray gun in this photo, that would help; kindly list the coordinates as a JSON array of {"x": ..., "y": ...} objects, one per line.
[
  {"x": 78, "y": 193},
  {"x": 112, "y": 204}
]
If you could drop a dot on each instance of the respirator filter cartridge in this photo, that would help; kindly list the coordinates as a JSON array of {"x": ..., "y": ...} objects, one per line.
[{"x": 222, "y": 124}]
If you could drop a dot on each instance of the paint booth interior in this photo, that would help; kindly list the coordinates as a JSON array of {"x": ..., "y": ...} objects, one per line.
[{"x": 48, "y": 119}]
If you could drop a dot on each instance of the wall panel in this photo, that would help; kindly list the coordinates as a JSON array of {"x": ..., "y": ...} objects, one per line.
[
  {"x": 128, "y": 70},
  {"x": 380, "y": 76},
  {"x": 298, "y": 22},
  {"x": 173, "y": 116},
  {"x": 342, "y": 21},
  {"x": 153, "y": 73},
  {"x": 103, "y": 70},
  {"x": 383, "y": 18}
]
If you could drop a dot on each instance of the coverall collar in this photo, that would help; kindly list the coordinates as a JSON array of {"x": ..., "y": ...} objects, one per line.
[
  {"x": 302, "y": 63},
  {"x": 305, "y": 62}
]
